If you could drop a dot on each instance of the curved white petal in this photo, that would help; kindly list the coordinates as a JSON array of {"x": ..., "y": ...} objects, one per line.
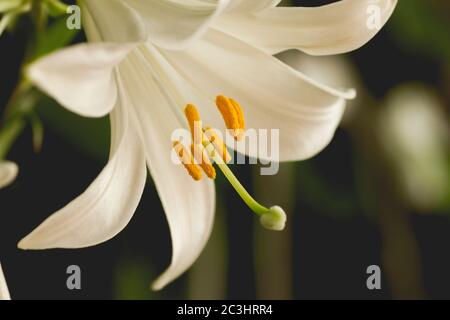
[
  {"x": 4, "y": 293},
  {"x": 8, "y": 173},
  {"x": 273, "y": 95},
  {"x": 189, "y": 205},
  {"x": 175, "y": 24},
  {"x": 240, "y": 6},
  {"x": 107, "y": 206},
  {"x": 336, "y": 28},
  {"x": 81, "y": 77},
  {"x": 170, "y": 24}
]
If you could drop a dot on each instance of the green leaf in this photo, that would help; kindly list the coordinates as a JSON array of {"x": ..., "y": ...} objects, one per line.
[{"x": 317, "y": 192}]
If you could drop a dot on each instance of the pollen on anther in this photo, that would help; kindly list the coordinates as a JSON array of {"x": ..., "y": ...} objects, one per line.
[
  {"x": 239, "y": 112},
  {"x": 187, "y": 160},
  {"x": 233, "y": 116},
  {"x": 195, "y": 123}
]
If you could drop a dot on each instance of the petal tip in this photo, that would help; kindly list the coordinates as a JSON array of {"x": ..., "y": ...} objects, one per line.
[
  {"x": 31, "y": 72},
  {"x": 29, "y": 243},
  {"x": 8, "y": 173},
  {"x": 159, "y": 283},
  {"x": 351, "y": 94},
  {"x": 22, "y": 244},
  {"x": 26, "y": 243}
]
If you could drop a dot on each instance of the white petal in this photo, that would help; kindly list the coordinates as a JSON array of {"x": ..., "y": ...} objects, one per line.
[
  {"x": 240, "y": 6},
  {"x": 170, "y": 24},
  {"x": 81, "y": 77},
  {"x": 189, "y": 205},
  {"x": 113, "y": 21},
  {"x": 8, "y": 173},
  {"x": 4, "y": 293},
  {"x": 273, "y": 95},
  {"x": 339, "y": 27},
  {"x": 107, "y": 206}
]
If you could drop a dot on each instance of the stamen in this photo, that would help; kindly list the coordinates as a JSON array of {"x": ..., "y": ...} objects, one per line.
[
  {"x": 218, "y": 143},
  {"x": 195, "y": 123},
  {"x": 201, "y": 156},
  {"x": 187, "y": 160},
  {"x": 232, "y": 115}
]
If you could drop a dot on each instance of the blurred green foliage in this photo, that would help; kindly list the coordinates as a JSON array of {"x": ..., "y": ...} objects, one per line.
[
  {"x": 55, "y": 36},
  {"x": 132, "y": 280},
  {"x": 423, "y": 26}
]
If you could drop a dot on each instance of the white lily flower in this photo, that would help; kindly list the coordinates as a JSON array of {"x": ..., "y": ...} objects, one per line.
[
  {"x": 148, "y": 60},
  {"x": 8, "y": 172}
]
